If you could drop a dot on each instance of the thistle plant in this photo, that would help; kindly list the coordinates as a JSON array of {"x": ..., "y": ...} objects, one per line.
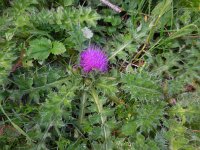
[{"x": 139, "y": 91}]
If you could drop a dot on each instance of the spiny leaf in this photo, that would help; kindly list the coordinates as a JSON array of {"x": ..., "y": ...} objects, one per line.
[
  {"x": 88, "y": 16},
  {"x": 129, "y": 128},
  {"x": 6, "y": 58},
  {"x": 149, "y": 116},
  {"x": 16, "y": 126},
  {"x": 142, "y": 86}
]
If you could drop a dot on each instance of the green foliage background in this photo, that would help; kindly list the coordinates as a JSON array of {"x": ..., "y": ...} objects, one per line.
[{"x": 149, "y": 99}]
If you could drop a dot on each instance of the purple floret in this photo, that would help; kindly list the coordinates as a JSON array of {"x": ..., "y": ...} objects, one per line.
[{"x": 93, "y": 58}]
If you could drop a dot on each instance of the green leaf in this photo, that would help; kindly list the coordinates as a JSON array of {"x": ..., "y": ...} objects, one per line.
[
  {"x": 37, "y": 83},
  {"x": 144, "y": 143},
  {"x": 58, "y": 48},
  {"x": 9, "y": 35},
  {"x": 23, "y": 82},
  {"x": 162, "y": 8},
  {"x": 129, "y": 128},
  {"x": 89, "y": 16},
  {"x": 6, "y": 58},
  {"x": 68, "y": 2},
  {"x": 142, "y": 86},
  {"x": 39, "y": 49},
  {"x": 178, "y": 136},
  {"x": 107, "y": 85},
  {"x": 149, "y": 116},
  {"x": 22, "y": 21},
  {"x": 16, "y": 126},
  {"x": 121, "y": 47}
]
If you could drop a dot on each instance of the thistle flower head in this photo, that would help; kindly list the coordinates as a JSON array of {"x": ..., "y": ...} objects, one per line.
[{"x": 93, "y": 58}]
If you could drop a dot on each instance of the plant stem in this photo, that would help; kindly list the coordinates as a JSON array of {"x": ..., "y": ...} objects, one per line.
[
  {"x": 103, "y": 119},
  {"x": 82, "y": 107},
  {"x": 112, "y": 6},
  {"x": 81, "y": 113}
]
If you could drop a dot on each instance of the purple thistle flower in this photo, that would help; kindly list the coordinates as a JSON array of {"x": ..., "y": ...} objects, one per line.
[{"x": 93, "y": 58}]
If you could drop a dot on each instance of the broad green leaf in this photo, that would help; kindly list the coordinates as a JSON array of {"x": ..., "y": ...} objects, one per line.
[
  {"x": 58, "y": 48},
  {"x": 39, "y": 49}
]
